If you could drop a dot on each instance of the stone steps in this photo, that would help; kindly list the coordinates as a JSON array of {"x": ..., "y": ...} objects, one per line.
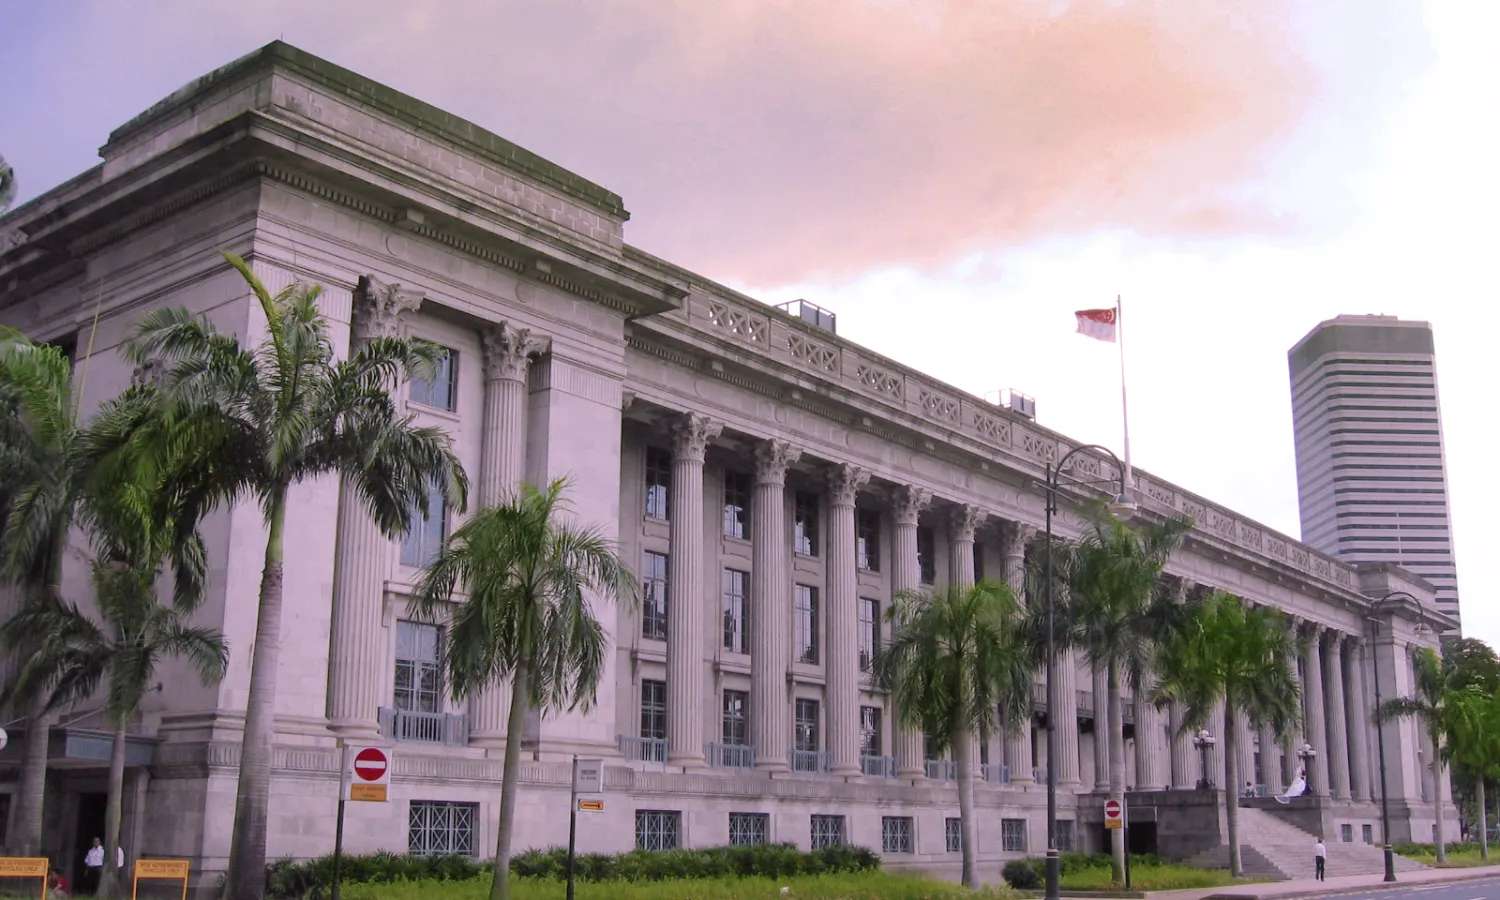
[{"x": 1274, "y": 848}]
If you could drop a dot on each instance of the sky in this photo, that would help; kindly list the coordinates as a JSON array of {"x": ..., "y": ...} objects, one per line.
[{"x": 954, "y": 179}]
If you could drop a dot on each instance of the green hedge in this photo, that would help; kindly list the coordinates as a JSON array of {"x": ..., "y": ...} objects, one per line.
[
  {"x": 1031, "y": 872},
  {"x": 311, "y": 878},
  {"x": 1408, "y": 849}
]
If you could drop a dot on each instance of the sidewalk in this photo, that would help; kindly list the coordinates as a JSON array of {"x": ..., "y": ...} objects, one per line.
[{"x": 1307, "y": 887}]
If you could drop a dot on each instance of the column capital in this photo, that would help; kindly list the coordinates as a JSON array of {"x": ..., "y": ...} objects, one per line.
[
  {"x": 691, "y": 435},
  {"x": 379, "y": 307},
  {"x": 1016, "y": 536},
  {"x": 966, "y": 518},
  {"x": 507, "y": 350},
  {"x": 907, "y": 503},
  {"x": 845, "y": 480},
  {"x": 772, "y": 457}
]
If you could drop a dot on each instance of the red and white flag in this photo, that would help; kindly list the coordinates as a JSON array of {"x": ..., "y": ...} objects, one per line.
[{"x": 1098, "y": 323}]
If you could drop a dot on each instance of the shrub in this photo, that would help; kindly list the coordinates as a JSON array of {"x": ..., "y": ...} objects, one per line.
[
  {"x": 312, "y": 878},
  {"x": 1025, "y": 874}
]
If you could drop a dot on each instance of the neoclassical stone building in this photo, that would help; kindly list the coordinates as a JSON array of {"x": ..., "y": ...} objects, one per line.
[{"x": 772, "y": 484}]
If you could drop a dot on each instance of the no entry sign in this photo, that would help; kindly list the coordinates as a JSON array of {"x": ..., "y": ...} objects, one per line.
[
  {"x": 367, "y": 773},
  {"x": 1113, "y": 814}
]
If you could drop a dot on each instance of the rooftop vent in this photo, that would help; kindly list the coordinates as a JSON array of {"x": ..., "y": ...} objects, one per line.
[
  {"x": 811, "y": 313},
  {"x": 1018, "y": 403}
]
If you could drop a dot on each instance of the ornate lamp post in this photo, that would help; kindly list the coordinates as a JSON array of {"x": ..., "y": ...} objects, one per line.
[
  {"x": 1385, "y": 804},
  {"x": 1307, "y": 752},
  {"x": 1204, "y": 741},
  {"x": 1122, "y": 504}
]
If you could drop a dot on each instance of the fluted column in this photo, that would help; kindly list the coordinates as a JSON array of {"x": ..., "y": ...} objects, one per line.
[
  {"x": 507, "y": 352},
  {"x": 965, "y": 519},
  {"x": 770, "y": 593},
  {"x": 1338, "y": 731},
  {"x": 1270, "y": 760},
  {"x": 908, "y": 503},
  {"x": 361, "y": 562},
  {"x": 1062, "y": 714},
  {"x": 1357, "y": 711},
  {"x": 691, "y": 436},
  {"x": 1292, "y": 740},
  {"x": 1215, "y": 727},
  {"x": 1018, "y": 739},
  {"x": 1245, "y": 751},
  {"x": 1317, "y": 734},
  {"x": 1101, "y": 728},
  {"x": 1151, "y": 760},
  {"x": 844, "y": 484},
  {"x": 1185, "y": 765}
]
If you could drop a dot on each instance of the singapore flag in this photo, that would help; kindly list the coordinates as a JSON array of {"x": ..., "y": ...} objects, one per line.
[{"x": 1098, "y": 323}]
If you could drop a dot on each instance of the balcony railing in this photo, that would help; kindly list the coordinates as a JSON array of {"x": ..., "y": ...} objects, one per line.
[
  {"x": 729, "y": 756},
  {"x": 942, "y": 769},
  {"x": 809, "y": 761},
  {"x": 995, "y": 773},
  {"x": 430, "y": 727},
  {"x": 642, "y": 749},
  {"x": 878, "y": 766}
]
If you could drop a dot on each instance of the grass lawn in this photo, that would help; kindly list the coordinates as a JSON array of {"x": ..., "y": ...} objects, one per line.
[
  {"x": 1151, "y": 877},
  {"x": 1458, "y": 858},
  {"x": 847, "y": 886}
]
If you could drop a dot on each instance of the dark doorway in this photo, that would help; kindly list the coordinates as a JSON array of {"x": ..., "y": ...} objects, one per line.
[{"x": 90, "y": 826}]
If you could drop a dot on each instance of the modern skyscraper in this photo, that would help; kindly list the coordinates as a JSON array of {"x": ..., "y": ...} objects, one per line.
[{"x": 1370, "y": 474}]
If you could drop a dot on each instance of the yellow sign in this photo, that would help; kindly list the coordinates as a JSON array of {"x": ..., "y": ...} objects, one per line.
[
  {"x": 373, "y": 793},
  {"x": 161, "y": 868},
  {"x": 23, "y": 867},
  {"x": 591, "y": 806},
  {"x": 1114, "y": 824}
]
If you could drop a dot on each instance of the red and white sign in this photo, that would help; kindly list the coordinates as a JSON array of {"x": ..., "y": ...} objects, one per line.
[
  {"x": 1098, "y": 323},
  {"x": 370, "y": 764},
  {"x": 367, "y": 773},
  {"x": 1113, "y": 814}
]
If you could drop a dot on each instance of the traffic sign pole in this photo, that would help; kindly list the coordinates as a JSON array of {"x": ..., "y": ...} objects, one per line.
[
  {"x": 572, "y": 823},
  {"x": 338, "y": 829}
]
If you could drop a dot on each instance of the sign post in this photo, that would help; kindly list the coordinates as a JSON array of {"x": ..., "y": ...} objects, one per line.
[
  {"x": 167, "y": 869},
  {"x": 1114, "y": 819},
  {"x": 588, "y": 777},
  {"x": 26, "y": 867},
  {"x": 364, "y": 776}
]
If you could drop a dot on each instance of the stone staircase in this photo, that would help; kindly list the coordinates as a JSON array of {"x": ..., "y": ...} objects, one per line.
[{"x": 1273, "y": 848}]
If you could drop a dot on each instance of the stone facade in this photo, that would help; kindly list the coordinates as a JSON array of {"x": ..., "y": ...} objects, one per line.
[{"x": 772, "y": 484}]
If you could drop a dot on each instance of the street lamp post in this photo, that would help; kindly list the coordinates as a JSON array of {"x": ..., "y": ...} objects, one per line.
[
  {"x": 1054, "y": 474},
  {"x": 1204, "y": 741},
  {"x": 1307, "y": 752},
  {"x": 1385, "y": 803}
]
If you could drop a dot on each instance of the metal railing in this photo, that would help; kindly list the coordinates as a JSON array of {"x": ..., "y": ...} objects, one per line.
[
  {"x": 643, "y": 749},
  {"x": 729, "y": 756},
  {"x": 809, "y": 760},
  {"x": 429, "y": 727},
  {"x": 995, "y": 773},
  {"x": 878, "y": 766},
  {"x": 942, "y": 769}
]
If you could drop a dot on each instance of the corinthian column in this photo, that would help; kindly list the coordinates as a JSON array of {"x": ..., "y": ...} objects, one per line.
[
  {"x": 1100, "y": 688},
  {"x": 1357, "y": 708},
  {"x": 1338, "y": 733},
  {"x": 691, "y": 436},
  {"x": 1185, "y": 761},
  {"x": 844, "y": 483},
  {"x": 770, "y": 595},
  {"x": 507, "y": 352},
  {"x": 1018, "y": 739},
  {"x": 965, "y": 520},
  {"x": 1270, "y": 760},
  {"x": 1292, "y": 740},
  {"x": 908, "y": 504},
  {"x": 1151, "y": 762},
  {"x": 1312, "y": 663},
  {"x": 356, "y": 651}
]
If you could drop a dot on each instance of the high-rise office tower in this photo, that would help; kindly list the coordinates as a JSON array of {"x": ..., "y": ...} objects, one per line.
[{"x": 1370, "y": 474}]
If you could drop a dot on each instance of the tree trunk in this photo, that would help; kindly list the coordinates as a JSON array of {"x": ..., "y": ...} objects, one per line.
[
  {"x": 109, "y": 878},
  {"x": 1484, "y": 822},
  {"x": 247, "y": 848},
  {"x": 1116, "y": 748},
  {"x": 1437, "y": 798},
  {"x": 963, "y": 756},
  {"x": 514, "y": 728},
  {"x": 31, "y": 793},
  {"x": 1232, "y": 796}
]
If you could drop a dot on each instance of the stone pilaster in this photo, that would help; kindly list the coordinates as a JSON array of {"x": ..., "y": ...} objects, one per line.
[
  {"x": 907, "y": 503},
  {"x": 1018, "y": 753},
  {"x": 1101, "y": 728},
  {"x": 844, "y": 484},
  {"x": 361, "y": 563},
  {"x": 1338, "y": 734},
  {"x": 1312, "y": 665},
  {"x": 691, "y": 436},
  {"x": 770, "y": 593},
  {"x": 1357, "y": 709},
  {"x": 506, "y": 356}
]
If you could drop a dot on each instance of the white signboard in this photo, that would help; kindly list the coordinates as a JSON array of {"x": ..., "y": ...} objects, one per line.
[
  {"x": 590, "y": 777},
  {"x": 367, "y": 774}
]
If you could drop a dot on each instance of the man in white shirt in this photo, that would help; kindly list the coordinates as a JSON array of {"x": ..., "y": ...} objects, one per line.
[
  {"x": 1320, "y": 857},
  {"x": 93, "y": 866}
]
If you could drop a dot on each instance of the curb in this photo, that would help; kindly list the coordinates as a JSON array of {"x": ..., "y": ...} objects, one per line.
[{"x": 1378, "y": 886}]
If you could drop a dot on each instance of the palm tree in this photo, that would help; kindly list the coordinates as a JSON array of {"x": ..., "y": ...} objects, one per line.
[
  {"x": 1472, "y": 727},
  {"x": 527, "y": 617},
  {"x": 955, "y": 657},
  {"x": 1429, "y": 706},
  {"x": 1117, "y": 616},
  {"x": 37, "y": 500},
  {"x": 256, "y": 422},
  {"x": 1242, "y": 657}
]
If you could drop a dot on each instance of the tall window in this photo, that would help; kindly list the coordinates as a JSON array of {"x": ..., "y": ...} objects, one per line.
[
  {"x": 654, "y": 596},
  {"x": 749, "y": 829},
  {"x": 438, "y": 828},
  {"x": 807, "y": 724},
  {"x": 870, "y": 740},
  {"x": 805, "y": 523},
  {"x": 658, "y": 482},
  {"x": 1013, "y": 834},
  {"x": 806, "y": 622},
  {"x": 895, "y": 834},
  {"x": 736, "y": 585},
  {"x": 926, "y": 554},
  {"x": 867, "y": 540},
  {"x": 429, "y": 526},
  {"x": 658, "y": 829},
  {"x": 736, "y": 718},
  {"x": 1065, "y": 835},
  {"x": 827, "y": 831},
  {"x": 654, "y": 709},
  {"x": 869, "y": 632},
  {"x": 953, "y": 835},
  {"x": 419, "y": 678},
  {"x": 441, "y": 390},
  {"x": 736, "y": 505}
]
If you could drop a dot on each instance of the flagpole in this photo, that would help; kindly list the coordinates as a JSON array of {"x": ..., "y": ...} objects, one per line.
[{"x": 1124, "y": 407}]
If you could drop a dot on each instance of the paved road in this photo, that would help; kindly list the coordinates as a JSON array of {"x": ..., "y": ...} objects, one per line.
[{"x": 1486, "y": 889}]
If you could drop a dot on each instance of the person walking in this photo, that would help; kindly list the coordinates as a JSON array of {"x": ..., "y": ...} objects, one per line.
[
  {"x": 1320, "y": 859},
  {"x": 93, "y": 867}
]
